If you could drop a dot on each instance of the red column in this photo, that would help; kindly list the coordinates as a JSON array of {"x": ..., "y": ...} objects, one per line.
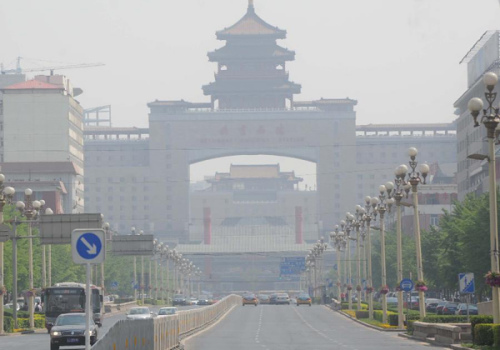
[
  {"x": 299, "y": 223},
  {"x": 207, "y": 225}
]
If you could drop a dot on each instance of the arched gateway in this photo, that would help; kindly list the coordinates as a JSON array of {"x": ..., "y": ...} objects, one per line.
[{"x": 252, "y": 111}]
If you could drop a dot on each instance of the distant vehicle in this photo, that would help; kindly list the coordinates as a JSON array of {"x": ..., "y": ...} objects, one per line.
[
  {"x": 393, "y": 299},
  {"x": 304, "y": 299},
  {"x": 272, "y": 299},
  {"x": 10, "y": 306},
  {"x": 462, "y": 309},
  {"x": 204, "y": 301},
  {"x": 139, "y": 313},
  {"x": 431, "y": 307},
  {"x": 69, "y": 330},
  {"x": 440, "y": 306},
  {"x": 179, "y": 300},
  {"x": 69, "y": 297},
  {"x": 249, "y": 299},
  {"x": 193, "y": 301},
  {"x": 449, "y": 309},
  {"x": 263, "y": 298},
  {"x": 414, "y": 303},
  {"x": 164, "y": 311},
  {"x": 282, "y": 298}
]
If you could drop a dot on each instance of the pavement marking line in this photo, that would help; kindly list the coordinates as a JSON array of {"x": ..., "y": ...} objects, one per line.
[
  {"x": 257, "y": 335},
  {"x": 183, "y": 341}
]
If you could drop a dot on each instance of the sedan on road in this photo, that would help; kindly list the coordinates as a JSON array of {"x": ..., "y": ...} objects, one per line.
[
  {"x": 139, "y": 313},
  {"x": 304, "y": 299},
  {"x": 164, "y": 311},
  {"x": 179, "y": 300},
  {"x": 69, "y": 330},
  {"x": 250, "y": 299},
  {"x": 282, "y": 298},
  {"x": 440, "y": 306}
]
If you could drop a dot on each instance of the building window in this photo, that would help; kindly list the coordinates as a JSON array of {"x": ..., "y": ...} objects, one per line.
[{"x": 434, "y": 220}]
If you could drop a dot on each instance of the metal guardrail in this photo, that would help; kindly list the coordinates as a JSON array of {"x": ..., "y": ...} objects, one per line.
[{"x": 163, "y": 332}]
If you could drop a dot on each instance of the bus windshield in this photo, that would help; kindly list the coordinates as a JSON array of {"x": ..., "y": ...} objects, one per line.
[{"x": 65, "y": 300}]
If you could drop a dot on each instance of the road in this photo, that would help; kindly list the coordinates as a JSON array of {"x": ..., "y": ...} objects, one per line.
[
  {"x": 42, "y": 341},
  {"x": 276, "y": 327}
]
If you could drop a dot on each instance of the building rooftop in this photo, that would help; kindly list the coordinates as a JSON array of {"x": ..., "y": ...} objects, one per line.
[
  {"x": 251, "y": 25},
  {"x": 33, "y": 85}
]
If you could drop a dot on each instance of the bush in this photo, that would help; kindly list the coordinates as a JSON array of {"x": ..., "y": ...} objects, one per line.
[
  {"x": 8, "y": 324},
  {"x": 409, "y": 326},
  {"x": 496, "y": 335},
  {"x": 445, "y": 319},
  {"x": 483, "y": 334},
  {"x": 379, "y": 315},
  {"x": 24, "y": 323},
  {"x": 123, "y": 300},
  {"x": 362, "y": 314},
  {"x": 474, "y": 320}
]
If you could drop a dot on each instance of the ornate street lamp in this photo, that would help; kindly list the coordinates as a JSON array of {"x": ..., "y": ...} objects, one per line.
[
  {"x": 369, "y": 215},
  {"x": 338, "y": 240},
  {"x": 490, "y": 120},
  {"x": 383, "y": 206},
  {"x": 6, "y": 194},
  {"x": 414, "y": 179}
]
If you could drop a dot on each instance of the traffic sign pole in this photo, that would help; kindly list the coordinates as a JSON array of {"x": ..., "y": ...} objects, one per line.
[{"x": 87, "y": 309}]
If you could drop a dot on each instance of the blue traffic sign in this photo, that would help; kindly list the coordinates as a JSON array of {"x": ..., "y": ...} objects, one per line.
[
  {"x": 406, "y": 285},
  {"x": 88, "y": 246},
  {"x": 466, "y": 283},
  {"x": 292, "y": 265}
]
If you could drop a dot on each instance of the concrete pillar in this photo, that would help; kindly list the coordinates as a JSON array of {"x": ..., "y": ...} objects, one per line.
[
  {"x": 207, "y": 225},
  {"x": 299, "y": 226}
]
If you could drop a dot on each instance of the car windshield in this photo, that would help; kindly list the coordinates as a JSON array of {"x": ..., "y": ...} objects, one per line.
[
  {"x": 70, "y": 320},
  {"x": 139, "y": 311}
]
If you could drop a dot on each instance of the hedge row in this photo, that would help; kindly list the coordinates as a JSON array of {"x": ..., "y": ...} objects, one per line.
[
  {"x": 22, "y": 323},
  {"x": 476, "y": 320},
  {"x": 379, "y": 315}
]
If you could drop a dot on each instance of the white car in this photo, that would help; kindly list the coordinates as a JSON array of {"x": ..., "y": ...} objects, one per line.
[
  {"x": 10, "y": 306},
  {"x": 139, "y": 313}
]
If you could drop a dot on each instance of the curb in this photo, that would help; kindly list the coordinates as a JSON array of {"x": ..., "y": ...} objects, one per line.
[
  {"x": 27, "y": 332},
  {"x": 367, "y": 324},
  {"x": 433, "y": 342}
]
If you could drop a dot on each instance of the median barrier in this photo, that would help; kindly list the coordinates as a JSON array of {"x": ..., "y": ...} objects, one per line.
[{"x": 163, "y": 332}]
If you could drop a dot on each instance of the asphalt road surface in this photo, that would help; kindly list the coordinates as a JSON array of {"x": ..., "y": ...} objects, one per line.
[
  {"x": 42, "y": 341},
  {"x": 283, "y": 327}
]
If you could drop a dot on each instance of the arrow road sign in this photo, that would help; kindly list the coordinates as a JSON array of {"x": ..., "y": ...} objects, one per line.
[
  {"x": 88, "y": 246},
  {"x": 466, "y": 283}
]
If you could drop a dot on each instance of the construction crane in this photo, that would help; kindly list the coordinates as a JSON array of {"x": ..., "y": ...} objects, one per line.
[{"x": 19, "y": 70}]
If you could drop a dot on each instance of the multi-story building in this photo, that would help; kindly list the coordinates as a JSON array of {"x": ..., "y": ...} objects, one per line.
[
  {"x": 253, "y": 200},
  {"x": 252, "y": 111},
  {"x": 6, "y": 80},
  {"x": 43, "y": 136},
  {"x": 472, "y": 175}
]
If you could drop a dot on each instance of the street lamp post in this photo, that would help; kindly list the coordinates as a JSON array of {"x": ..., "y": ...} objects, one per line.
[
  {"x": 30, "y": 209},
  {"x": 370, "y": 209},
  {"x": 382, "y": 207},
  {"x": 6, "y": 194},
  {"x": 415, "y": 178},
  {"x": 490, "y": 120},
  {"x": 357, "y": 226},
  {"x": 338, "y": 241},
  {"x": 347, "y": 228},
  {"x": 401, "y": 189}
]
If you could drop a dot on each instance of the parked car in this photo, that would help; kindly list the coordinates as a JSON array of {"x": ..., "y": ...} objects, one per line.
[
  {"x": 69, "y": 330},
  {"x": 449, "y": 309},
  {"x": 139, "y": 313},
  {"x": 414, "y": 303},
  {"x": 439, "y": 307},
  {"x": 431, "y": 307},
  {"x": 462, "y": 309},
  {"x": 249, "y": 299}
]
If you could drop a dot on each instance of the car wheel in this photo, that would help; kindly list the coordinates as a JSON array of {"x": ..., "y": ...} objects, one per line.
[
  {"x": 310, "y": 305},
  {"x": 54, "y": 347},
  {"x": 255, "y": 304},
  {"x": 243, "y": 304}
]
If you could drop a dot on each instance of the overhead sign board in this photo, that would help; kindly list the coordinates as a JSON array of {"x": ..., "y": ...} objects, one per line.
[
  {"x": 133, "y": 245},
  {"x": 292, "y": 265},
  {"x": 57, "y": 229},
  {"x": 466, "y": 283},
  {"x": 88, "y": 246}
]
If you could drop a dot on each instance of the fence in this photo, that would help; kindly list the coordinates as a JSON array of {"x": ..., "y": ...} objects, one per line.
[{"x": 163, "y": 332}]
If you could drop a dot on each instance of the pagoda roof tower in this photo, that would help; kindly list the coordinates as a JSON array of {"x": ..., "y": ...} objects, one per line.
[{"x": 251, "y": 70}]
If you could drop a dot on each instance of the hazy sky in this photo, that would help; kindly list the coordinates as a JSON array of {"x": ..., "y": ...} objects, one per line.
[{"x": 398, "y": 58}]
